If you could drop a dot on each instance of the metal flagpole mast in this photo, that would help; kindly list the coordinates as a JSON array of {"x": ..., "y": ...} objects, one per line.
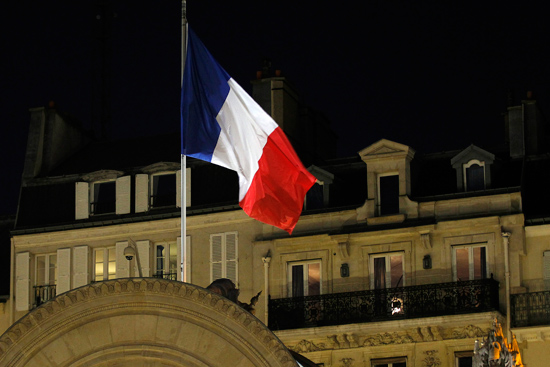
[{"x": 183, "y": 184}]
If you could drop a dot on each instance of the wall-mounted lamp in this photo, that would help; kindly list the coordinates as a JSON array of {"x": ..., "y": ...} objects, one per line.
[
  {"x": 427, "y": 262},
  {"x": 344, "y": 270}
]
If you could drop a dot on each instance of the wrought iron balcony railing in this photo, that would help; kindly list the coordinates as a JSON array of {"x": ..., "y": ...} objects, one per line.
[
  {"x": 384, "y": 304},
  {"x": 43, "y": 293},
  {"x": 169, "y": 276},
  {"x": 530, "y": 309}
]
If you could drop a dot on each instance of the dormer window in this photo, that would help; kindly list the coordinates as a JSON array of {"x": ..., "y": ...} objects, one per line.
[
  {"x": 163, "y": 190},
  {"x": 388, "y": 194},
  {"x": 103, "y": 197},
  {"x": 318, "y": 195},
  {"x": 474, "y": 175},
  {"x": 473, "y": 169}
]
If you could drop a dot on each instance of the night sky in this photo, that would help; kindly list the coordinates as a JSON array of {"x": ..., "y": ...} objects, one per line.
[{"x": 430, "y": 75}]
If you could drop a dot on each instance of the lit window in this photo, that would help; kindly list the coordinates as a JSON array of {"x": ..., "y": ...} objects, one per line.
[
  {"x": 469, "y": 262},
  {"x": 104, "y": 264},
  {"x": 388, "y": 194},
  {"x": 163, "y": 190},
  {"x": 387, "y": 270},
  {"x": 304, "y": 278},
  {"x": 103, "y": 198},
  {"x": 166, "y": 261}
]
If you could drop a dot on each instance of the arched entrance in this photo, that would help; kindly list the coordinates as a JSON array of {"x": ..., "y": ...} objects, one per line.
[{"x": 141, "y": 322}]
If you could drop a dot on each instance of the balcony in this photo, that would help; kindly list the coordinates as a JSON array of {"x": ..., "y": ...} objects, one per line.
[
  {"x": 43, "y": 293},
  {"x": 530, "y": 309},
  {"x": 384, "y": 304},
  {"x": 169, "y": 276}
]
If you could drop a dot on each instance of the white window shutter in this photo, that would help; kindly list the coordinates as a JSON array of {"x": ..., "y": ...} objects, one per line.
[
  {"x": 143, "y": 249},
  {"x": 82, "y": 199},
  {"x": 123, "y": 195},
  {"x": 216, "y": 257},
  {"x": 80, "y": 266},
  {"x": 63, "y": 271},
  {"x": 231, "y": 263},
  {"x": 142, "y": 193},
  {"x": 22, "y": 281},
  {"x": 122, "y": 265}
]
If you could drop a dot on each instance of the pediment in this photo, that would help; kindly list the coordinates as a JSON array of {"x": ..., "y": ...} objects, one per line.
[
  {"x": 102, "y": 175},
  {"x": 161, "y": 167},
  {"x": 321, "y": 175},
  {"x": 386, "y": 149},
  {"x": 472, "y": 152}
]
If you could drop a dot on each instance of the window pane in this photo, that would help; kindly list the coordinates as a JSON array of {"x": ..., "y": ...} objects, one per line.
[
  {"x": 164, "y": 190},
  {"x": 40, "y": 270},
  {"x": 480, "y": 263},
  {"x": 462, "y": 264},
  {"x": 160, "y": 259},
  {"x": 389, "y": 195},
  {"x": 379, "y": 272},
  {"x": 53, "y": 270},
  {"x": 173, "y": 258},
  {"x": 98, "y": 271},
  {"x": 475, "y": 177},
  {"x": 112, "y": 254},
  {"x": 297, "y": 280},
  {"x": 396, "y": 262},
  {"x": 464, "y": 361},
  {"x": 98, "y": 255},
  {"x": 314, "y": 279},
  {"x": 104, "y": 200}
]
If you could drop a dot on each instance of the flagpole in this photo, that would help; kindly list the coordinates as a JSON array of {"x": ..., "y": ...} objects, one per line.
[{"x": 183, "y": 184}]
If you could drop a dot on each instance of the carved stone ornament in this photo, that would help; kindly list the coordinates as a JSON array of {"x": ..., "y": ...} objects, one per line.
[
  {"x": 431, "y": 359},
  {"x": 306, "y": 346},
  {"x": 387, "y": 338},
  {"x": 347, "y": 362},
  {"x": 468, "y": 331}
]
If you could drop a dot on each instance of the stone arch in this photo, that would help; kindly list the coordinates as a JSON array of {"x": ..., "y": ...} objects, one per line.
[{"x": 141, "y": 322}]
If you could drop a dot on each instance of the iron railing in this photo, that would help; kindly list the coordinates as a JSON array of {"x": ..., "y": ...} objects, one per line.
[
  {"x": 169, "y": 276},
  {"x": 530, "y": 309},
  {"x": 384, "y": 304},
  {"x": 43, "y": 293}
]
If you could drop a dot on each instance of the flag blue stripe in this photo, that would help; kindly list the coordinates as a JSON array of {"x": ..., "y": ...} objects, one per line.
[{"x": 204, "y": 91}]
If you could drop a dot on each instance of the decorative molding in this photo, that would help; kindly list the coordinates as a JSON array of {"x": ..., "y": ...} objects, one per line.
[
  {"x": 161, "y": 167},
  {"x": 343, "y": 341},
  {"x": 306, "y": 346},
  {"x": 343, "y": 246},
  {"x": 387, "y": 338},
  {"x": 102, "y": 175},
  {"x": 347, "y": 362},
  {"x": 468, "y": 331},
  {"x": 431, "y": 360}
]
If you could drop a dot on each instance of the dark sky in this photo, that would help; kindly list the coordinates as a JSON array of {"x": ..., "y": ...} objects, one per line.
[{"x": 427, "y": 74}]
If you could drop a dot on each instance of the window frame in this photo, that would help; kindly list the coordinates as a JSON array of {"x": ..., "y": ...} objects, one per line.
[
  {"x": 379, "y": 192},
  {"x": 166, "y": 271},
  {"x": 471, "y": 267},
  {"x": 463, "y": 354},
  {"x": 47, "y": 263},
  {"x": 389, "y": 362},
  {"x": 387, "y": 256},
  {"x": 151, "y": 194},
  {"x": 106, "y": 275},
  {"x": 92, "y": 202},
  {"x": 290, "y": 265},
  {"x": 469, "y": 164}
]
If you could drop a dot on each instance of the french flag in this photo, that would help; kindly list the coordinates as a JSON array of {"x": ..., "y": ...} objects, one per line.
[{"x": 222, "y": 124}]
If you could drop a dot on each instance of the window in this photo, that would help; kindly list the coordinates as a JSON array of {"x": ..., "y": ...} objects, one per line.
[
  {"x": 103, "y": 198},
  {"x": 166, "y": 261},
  {"x": 474, "y": 175},
  {"x": 464, "y": 359},
  {"x": 389, "y": 362},
  {"x": 305, "y": 278},
  {"x": 314, "y": 197},
  {"x": 387, "y": 270},
  {"x": 223, "y": 256},
  {"x": 163, "y": 190},
  {"x": 104, "y": 264},
  {"x": 469, "y": 262},
  {"x": 45, "y": 278},
  {"x": 388, "y": 194}
]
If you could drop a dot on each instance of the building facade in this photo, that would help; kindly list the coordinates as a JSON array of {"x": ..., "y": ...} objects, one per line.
[{"x": 399, "y": 259}]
